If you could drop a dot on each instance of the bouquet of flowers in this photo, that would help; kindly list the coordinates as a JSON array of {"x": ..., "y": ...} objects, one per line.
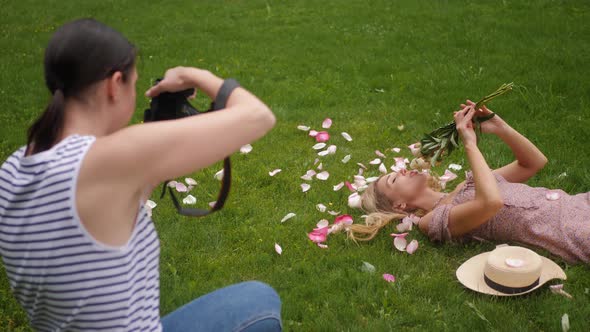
[{"x": 445, "y": 139}]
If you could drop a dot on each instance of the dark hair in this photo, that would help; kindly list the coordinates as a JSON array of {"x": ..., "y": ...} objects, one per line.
[{"x": 79, "y": 54}]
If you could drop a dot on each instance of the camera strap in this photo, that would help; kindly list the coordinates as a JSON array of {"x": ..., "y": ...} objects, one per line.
[{"x": 228, "y": 86}]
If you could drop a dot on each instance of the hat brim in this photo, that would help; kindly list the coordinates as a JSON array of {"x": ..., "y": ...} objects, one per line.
[{"x": 470, "y": 274}]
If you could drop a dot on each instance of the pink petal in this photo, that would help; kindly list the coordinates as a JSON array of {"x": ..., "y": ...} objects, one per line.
[
  {"x": 323, "y": 176},
  {"x": 190, "y": 181},
  {"x": 558, "y": 289},
  {"x": 308, "y": 175},
  {"x": 338, "y": 186},
  {"x": 322, "y": 136},
  {"x": 332, "y": 149},
  {"x": 320, "y": 166},
  {"x": 327, "y": 123},
  {"x": 400, "y": 162},
  {"x": 349, "y": 186},
  {"x": 400, "y": 243},
  {"x": 319, "y": 146},
  {"x": 274, "y": 172},
  {"x": 448, "y": 176},
  {"x": 313, "y": 133},
  {"x": 346, "y": 159},
  {"x": 278, "y": 249},
  {"x": 334, "y": 213},
  {"x": 321, "y": 207},
  {"x": 414, "y": 219},
  {"x": 318, "y": 235},
  {"x": 246, "y": 149},
  {"x": 304, "y": 128},
  {"x": 379, "y": 154},
  {"x": 305, "y": 187},
  {"x": 317, "y": 160},
  {"x": 322, "y": 245},
  {"x": 415, "y": 149},
  {"x": 361, "y": 171},
  {"x": 172, "y": 184},
  {"x": 375, "y": 161},
  {"x": 552, "y": 195},
  {"x": 382, "y": 169},
  {"x": 396, "y": 150},
  {"x": 322, "y": 223},
  {"x": 404, "y": 226},
  {"x": 412, "y": 247},
  {"x": 288, "y": 216},
  {"x": 399, "y": 235},
  {"x": 212, "y": 204},
  {"x": 346, "y": 136},
  {"x": 181, "y": 188},
  {"x": 388, "y": 277},
  {"x": 355, "y": 201},
  {"x": 345, "y": 219}
]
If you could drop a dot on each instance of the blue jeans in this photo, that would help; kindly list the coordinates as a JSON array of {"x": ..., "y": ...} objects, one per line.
[{"x": 248, "y": 307}]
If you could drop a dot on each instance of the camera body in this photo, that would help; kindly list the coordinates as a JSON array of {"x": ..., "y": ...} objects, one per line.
[{"x": 170, "y": 106}]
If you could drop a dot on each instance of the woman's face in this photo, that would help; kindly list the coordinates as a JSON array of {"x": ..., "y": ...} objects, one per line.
[{"x": 403, "y": 187}]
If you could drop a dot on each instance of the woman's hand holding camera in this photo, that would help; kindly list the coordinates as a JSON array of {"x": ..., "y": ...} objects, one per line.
[{"x": 182, "y": 78}]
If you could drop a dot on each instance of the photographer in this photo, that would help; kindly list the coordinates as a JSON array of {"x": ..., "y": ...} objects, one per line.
[{"x": 74, "y": 264}]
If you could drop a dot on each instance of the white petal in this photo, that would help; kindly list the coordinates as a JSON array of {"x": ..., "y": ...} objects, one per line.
[
  {"x": 304, "y": 128},
  {"x": 361, "y": 165},
  {"x": 346, "y": 159},
  {"x": 565, "y": 323},
  {"x": 400, "y": 127},
  {"x": 323, "y": 223},
  {"x": 190, "y": 181},
  {"x": 338, "y": 186},
  {"x": 172, "y": 184},
  {"x": 332, "y": 149},
  {"x": 412, "y": 247},
  {"x": 396, "y": 150},
  {"x": 404, "y": 226},
  {"x": 327, "y": 123},
  {"x": 190, "y": 199},
  {"x": 219, "y": 175},
  {"x": 379, "y": 154},
  {"x": 246, "y": 149},
  {"x": 400, "y": 243},
  {"x": 562, "y": 175},
  {"x": 305, "y": 187},
  {"x": 455, "y": 167},
  {"x": 346, "y": 136},
  {"x": 323, "y": 176},
  {"x": 181, "y": 188},
  {"x": 382, "y": 168},
  {"x": 323, "y": 153},
  {"x": 354, "y": 201},
  {"x": 321, "y": 207},
  {"x": 319, "y": 146},
  {"x": 362, "y": 188},
  {"x": 288, "y": 216},
  {"x": 372, "y": 179},
  {"x": 278, "y": 249},
  {"x": 313, "y": 133},
  {"x": 322, "y": 245},
  {"x": 274, "y": 172},
  {"x": 361, "y": 171},
  {"x": 212, "y": 204},
  {"x": 320, "y": 166},
  {"x": 334, "y": 213},
  {"x": 317, "y": 160},
  {"x": 367, "y": 267},
  {"x": 375, "y": 161},
  {"x": 150, "y": 204},
  {"x": 309, "y": 175}
]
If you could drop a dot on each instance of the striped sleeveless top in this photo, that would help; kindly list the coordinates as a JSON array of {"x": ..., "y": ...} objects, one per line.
[{"x": 62, "y": 276}]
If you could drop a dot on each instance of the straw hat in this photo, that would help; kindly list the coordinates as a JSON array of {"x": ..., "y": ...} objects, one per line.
[{"x": 508, "y": 271}]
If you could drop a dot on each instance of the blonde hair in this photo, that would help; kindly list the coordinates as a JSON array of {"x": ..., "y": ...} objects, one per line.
[{"x": 381, "y": 212}]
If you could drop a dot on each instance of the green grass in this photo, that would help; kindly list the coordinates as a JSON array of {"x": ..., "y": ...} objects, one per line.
[{"x": 313, "y": 59}]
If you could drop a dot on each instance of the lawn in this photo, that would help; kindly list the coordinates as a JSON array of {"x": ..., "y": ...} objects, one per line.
[{"x": 371, "y": 66}]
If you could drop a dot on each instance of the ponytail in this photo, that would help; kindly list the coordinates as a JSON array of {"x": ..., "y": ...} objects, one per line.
[
  {"x": 47, "y": 128},
  {"x": 373, "y": 224}
]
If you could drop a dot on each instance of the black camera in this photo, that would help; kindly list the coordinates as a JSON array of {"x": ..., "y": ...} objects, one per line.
[{"x": 175, "y": 105}]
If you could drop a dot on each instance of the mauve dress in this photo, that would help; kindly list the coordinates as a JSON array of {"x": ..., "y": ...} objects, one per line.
[{"x": 561, "y": 226}]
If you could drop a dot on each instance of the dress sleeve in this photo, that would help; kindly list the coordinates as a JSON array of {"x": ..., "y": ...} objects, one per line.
[{"x": 438, "y": 228}]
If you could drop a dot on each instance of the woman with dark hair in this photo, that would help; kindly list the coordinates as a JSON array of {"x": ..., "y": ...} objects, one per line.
[{"x": 71, "y": 263}]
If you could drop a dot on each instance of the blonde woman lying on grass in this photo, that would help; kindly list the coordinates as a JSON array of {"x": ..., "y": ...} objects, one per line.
[{"x": 491, "y": 204}]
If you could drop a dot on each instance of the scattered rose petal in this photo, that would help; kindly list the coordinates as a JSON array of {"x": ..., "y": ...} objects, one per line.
[
  {"x": 382, "y": 169},
  {"x": 323, "y": 153},
  {"x": 400, "y": 127},
  {"x": 448, "y": 176},
  {"x": 318, "y": 235},
  {"x": 414, "y": 219},
  {"x": 552, "y": 195},
  {"x": 212, "y": 204},
  {"x": 419, "y": 164},
  {"x": 562, "y": 175},
  {"x": 415, "y": 149},
  {"x": 334, "y": 213},
  {"x": 246, "y": 149},
  {"x": 346, "y": 159},
  {"x": 327, "y": 123},
  {"x": 172, "y": 184},
  {"x": 396, "y": 150},
  {"x": 354, "y": 201},
  {"x": 455, "y": 167},
  {"x": 278, "y": 249},
  {"x": 323, "y": 223},
  {"x": 320, "y": 166},
  {"x": 190, "y": 199},
  {"x": 190, "y": 181},
  {"x": 400, "y": 243},
  {"x": 362, "y": 166},
  {"x": 319, "y": 146},
  {"x": 345, "y": 219},
  {"x": 150, "y": 204},
  {"x": 308, "y": 175},
  {"x": 379, "y": 154},
  {"x": 219, "y": 175},
  {"x": 412, "y": 247},
  {"x": 322, "y": 245},
  {"x": 368, "y": 267},
  {"x": 305, "y": 187},
  {"x": 372, "y": 179},
  {"x": 317, "y": 160},
  {"x": 401, "y": 162},
  {"x": 565, "y": 323},
  {"x": 322, "y": 136},
  {"x": 323, "y": 176},
  {"x": 349, "y": 186},
  {"x": 338, "y": 186},
  {"x": 321, "y": 207},
  {"x": 313, "y": 133},
  {"x": 274, "y": 172},
  {"x": 180, "y": 187},
  {"x": 288, "y": 216},
  {"x": 404, "y": 226},
  {"x": 304, "y": 128},
  {"x": 361, "y": 171},
  {"x": 558, "y": 289},
  {"x": 346, "y": 136},
  {"x": 362, "y": 188},
  {"x": 332, "y": 149},
  {"x": 514, "y": 262},
  {"x": 388, "y": 277},
  {"x": 375, "y": 161}
]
